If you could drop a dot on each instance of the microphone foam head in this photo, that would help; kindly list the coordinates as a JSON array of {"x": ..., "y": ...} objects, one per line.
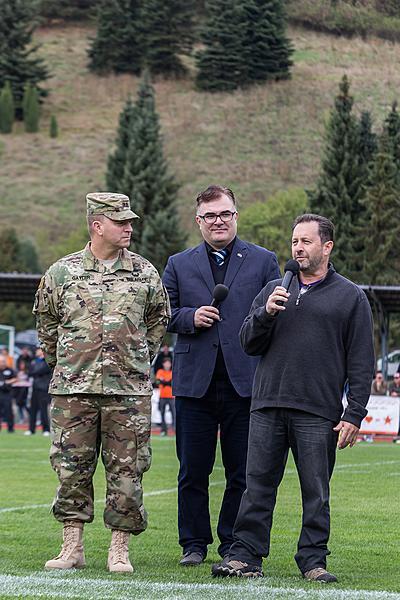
[
  {"x": 220, "y": 292},
  {"x": 292, "y": 266}
]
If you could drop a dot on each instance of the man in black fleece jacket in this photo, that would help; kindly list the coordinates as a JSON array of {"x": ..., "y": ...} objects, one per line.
[{"x": 313, "y": 340}]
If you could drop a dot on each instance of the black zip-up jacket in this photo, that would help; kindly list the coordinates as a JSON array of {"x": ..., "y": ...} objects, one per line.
[
  {"x": 41, "y": 373},
  {"x": 322, "y": 340}
]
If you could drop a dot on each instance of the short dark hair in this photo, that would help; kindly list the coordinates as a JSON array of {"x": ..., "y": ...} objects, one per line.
[
  {"x": 213, "y": 192},
  {"x": 326, "y": 228},
  {"x": 90, "y": 219}
]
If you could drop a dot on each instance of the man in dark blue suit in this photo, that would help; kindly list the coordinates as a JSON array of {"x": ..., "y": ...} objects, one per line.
[{"x": 212, "y": 376}]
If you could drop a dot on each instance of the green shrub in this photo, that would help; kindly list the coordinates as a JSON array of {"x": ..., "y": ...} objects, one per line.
[
  {"x": 53, "y": 127},
  {"x": 7, "y": 109},
  {"x": 31, "y": 109}
]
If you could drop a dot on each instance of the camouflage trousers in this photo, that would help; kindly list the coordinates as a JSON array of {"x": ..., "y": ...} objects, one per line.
[{"x": 118, "y": 427}]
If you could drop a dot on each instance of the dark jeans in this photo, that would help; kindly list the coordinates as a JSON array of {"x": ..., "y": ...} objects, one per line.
[
  {"x": 6, "y": 412},
  {"x": 197, "y": 424},
  {"x": 39, "y": 403},
  {"x": 313, "y": 443}
]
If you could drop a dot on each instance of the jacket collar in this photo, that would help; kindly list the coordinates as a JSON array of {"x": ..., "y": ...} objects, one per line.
[
  {"x": 91, "y": 263},
  {"x": 237, "y": 259}
]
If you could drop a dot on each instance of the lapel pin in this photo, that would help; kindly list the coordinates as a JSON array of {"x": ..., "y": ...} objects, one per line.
[{"x": 239, "y": 255}]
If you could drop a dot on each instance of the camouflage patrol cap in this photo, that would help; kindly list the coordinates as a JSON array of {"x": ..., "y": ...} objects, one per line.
[{"x": 114, "y": 206}]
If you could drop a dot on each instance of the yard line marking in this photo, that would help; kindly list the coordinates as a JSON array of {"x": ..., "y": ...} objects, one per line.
[
  {"x": 56, "y": 585},
  {"x": 212, "y": 483},
  {"x": 146, "y": 495}
]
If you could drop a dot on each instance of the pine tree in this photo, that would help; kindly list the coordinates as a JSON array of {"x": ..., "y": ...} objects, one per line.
[
  {"x": 67, "y": 9},
  {"x": 18, "y": 61},
  {"x": 339, "y": 187},
  {"x": 245, "y": 43},
  {"x": 7, "y": 110},
  {"x": 147, "y": 182},
  {"x": 267, "y": 49},
  {"x": 167, "y": 34},
  {"x": 117, "y": 46},
  {"x": 31, "y": 109},
  {"x": 222, "y": 64},
  {"x": 382, "y": 231},
  {"x": 53, "y": 129},
  {"x": 392, "y": 129},
  {"x": 368, "y": 141},
  {"x": 117, "y": 160}
]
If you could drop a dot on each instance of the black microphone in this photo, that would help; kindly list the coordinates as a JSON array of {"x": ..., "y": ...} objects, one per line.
[
  {"x": 219, "y": 294},
  {"x": 292, "y": 268}
]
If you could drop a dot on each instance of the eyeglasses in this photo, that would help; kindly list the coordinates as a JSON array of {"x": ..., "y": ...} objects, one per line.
[{"x": 211, "y": 218}]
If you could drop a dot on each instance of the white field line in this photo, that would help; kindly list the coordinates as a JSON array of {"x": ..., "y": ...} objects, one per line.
[
  {"x": 213, "y": 483},
  {"x": 61, "y": 585},
  {"x": 146, "y": 495}
]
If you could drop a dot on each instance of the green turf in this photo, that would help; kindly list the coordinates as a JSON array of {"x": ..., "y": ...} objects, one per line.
[{"x": 364, "y": 541}]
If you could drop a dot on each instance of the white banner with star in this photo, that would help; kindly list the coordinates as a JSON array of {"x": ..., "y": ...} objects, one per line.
[{"x": 382, "y": 417}]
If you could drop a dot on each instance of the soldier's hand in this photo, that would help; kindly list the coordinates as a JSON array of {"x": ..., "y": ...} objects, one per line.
[
  {"x": 279, "y": 294},
  {"x": 205, "y": 316}
]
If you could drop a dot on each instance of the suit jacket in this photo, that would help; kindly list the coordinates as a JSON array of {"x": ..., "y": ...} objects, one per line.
[{"x": 190, "y": 284}]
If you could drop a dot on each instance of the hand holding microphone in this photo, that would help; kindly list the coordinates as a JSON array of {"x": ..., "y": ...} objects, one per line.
[
  {"x": 206, "y": 315},
  {"x": 280, "y": 295}
]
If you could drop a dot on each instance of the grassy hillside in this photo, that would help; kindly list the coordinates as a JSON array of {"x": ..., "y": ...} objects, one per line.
[{"x": 258, "y": 141}]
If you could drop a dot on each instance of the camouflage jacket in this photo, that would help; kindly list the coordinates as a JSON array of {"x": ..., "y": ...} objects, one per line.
[{"x": 100, "y": 329}]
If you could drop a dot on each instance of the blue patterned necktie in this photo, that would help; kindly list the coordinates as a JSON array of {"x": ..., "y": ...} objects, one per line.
[{"x": 219, "y": 256}]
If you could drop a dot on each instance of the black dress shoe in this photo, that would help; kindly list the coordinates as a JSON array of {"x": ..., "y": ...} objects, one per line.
[{"x": 192, "y": 559}]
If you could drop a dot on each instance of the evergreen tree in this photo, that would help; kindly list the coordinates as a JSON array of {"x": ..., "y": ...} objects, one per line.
[
  {"x": 18, "y": 61},
  {"x": 368, "y": 142},
  {"x": 221, "y": 64},
  {"x": 7, "y": 110},
  {"x": 31, "y": 109},
  {"x": 167, "y": 34},
  {"x": 382, "y": 230},
  {"x": 267, "y": 49},
  {"x": 117, "y": 160},
  {"x": 392, "y": 130},
  {"x": 53, "y": 130},
  {"x": 67, "y": 9},
  {"x": 147, "y": 182},
  {"x": 339, "y": 187},
  {"x": 245, "y": 43},
  {"x": 117, "y": 46}
]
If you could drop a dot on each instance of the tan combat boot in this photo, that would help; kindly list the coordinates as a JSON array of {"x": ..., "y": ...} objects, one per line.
[
  {"x": 71, "y": 555},
  {"x": 118, "y": 556}
]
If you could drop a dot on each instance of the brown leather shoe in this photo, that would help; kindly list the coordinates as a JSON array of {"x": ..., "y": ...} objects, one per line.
[{"x": 321, "y": 575}]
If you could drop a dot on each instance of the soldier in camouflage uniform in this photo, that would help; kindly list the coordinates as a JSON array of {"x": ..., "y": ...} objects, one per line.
[{"x": 101, "y": 315}]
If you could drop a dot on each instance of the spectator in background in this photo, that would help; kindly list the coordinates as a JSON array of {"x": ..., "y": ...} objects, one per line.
[
  {"x": 379, "y": 386},
  {"x": 164, "y": 381},
  {"x": 165, "y": 352},
  {"x": 20, "y": 388},
  {"x": 40, "y": 400},
  {"x": 7, "y": 378},
  {"x": 8, "y": 358},
  {"x": 25, "y": 357},
  {"x": 394, "y": 387}
]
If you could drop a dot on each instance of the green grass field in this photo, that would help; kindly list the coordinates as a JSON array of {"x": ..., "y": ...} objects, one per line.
[{"x": 364, "y": 542}]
